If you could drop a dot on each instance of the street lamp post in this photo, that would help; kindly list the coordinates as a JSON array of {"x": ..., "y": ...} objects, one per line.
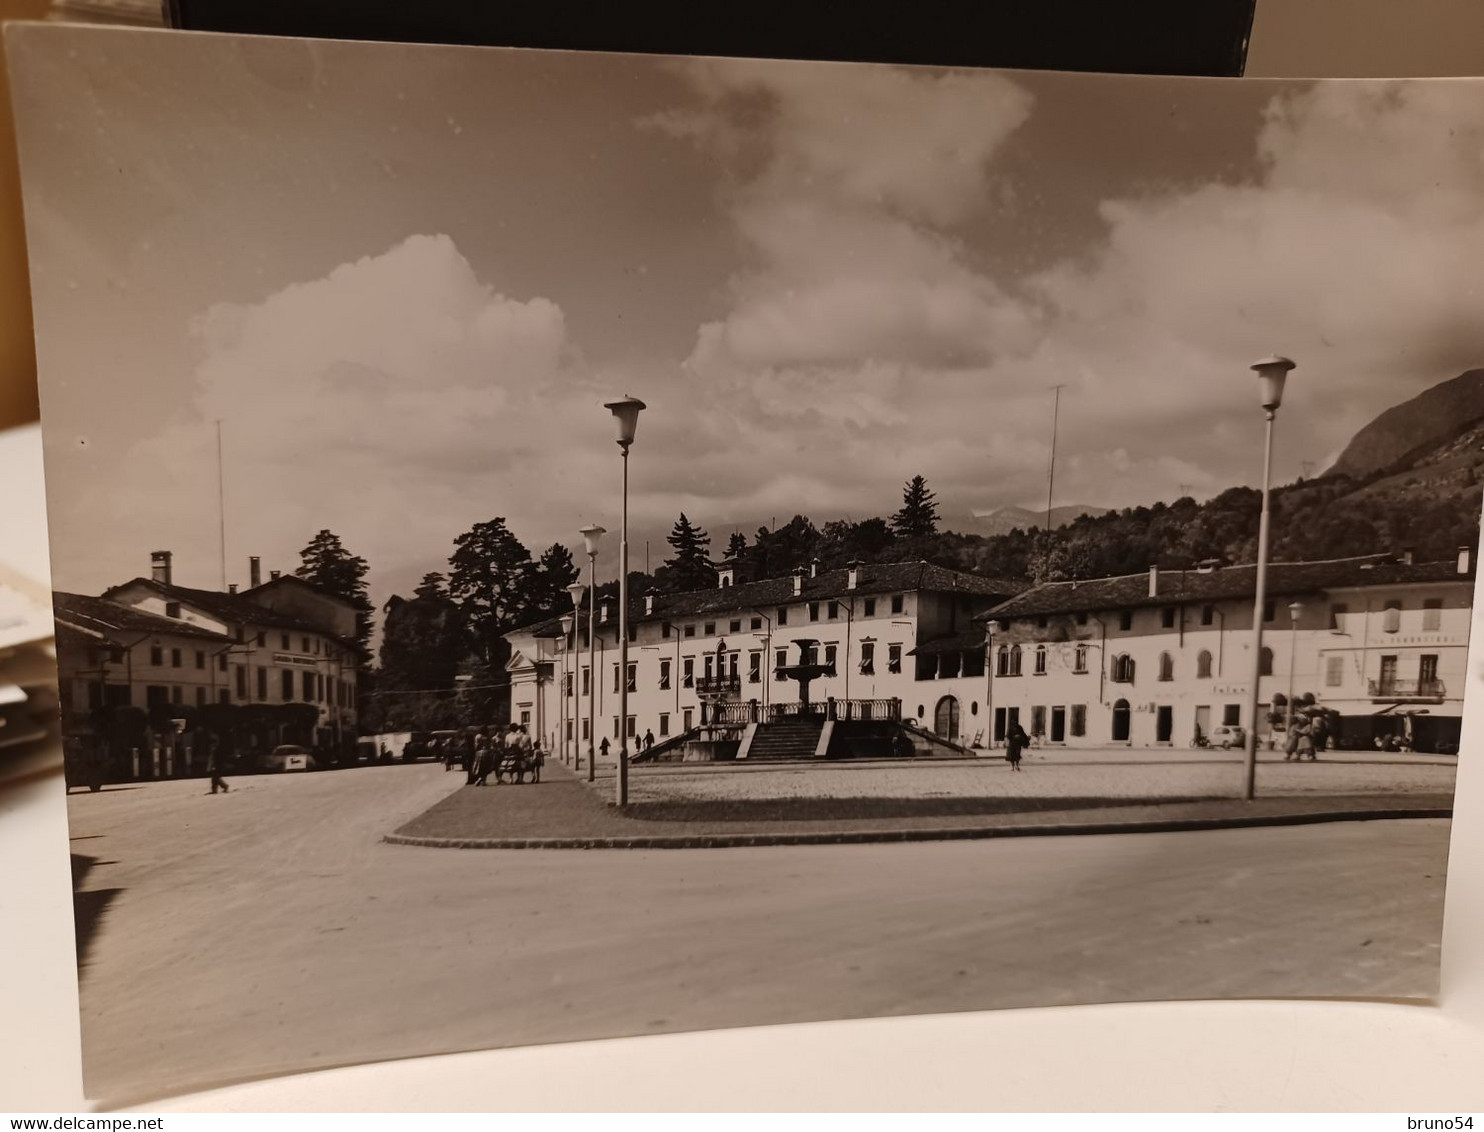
[
  {"x": 1294, "y": 610},
  {"x": 576, "y": 590},
  {"x": 563, "y": 715},
  {"x": 989, "y": 663},
  {"x": 1271, "y": 372},
  {"x": 590, "y": 536},
  {"x": 626, "y": 411}
]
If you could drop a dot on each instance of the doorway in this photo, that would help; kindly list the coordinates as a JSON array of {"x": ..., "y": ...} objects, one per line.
[
  {"x": 1058, "y": 725},
  {"x": 1120, "y": 721},
  {"x": 945, "y": 719},
  {"x": 1203, "y": 722},
  {"x": 1164, "y": 723}
]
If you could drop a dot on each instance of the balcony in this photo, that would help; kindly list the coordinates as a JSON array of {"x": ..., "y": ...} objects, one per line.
[
  {"x": 1400, "y": 690},
  {"x": 719, "y": 685}
]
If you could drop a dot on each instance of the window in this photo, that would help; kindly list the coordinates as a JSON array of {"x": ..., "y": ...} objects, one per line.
[
  {"x": 615, "y": 727},
  {"x": 156, "y": 694},
  {"x": 308, "y": 687},
  {"x": 241, "y": 678},
  {"x": 1082, "y": 617},
  {"x": 780, "y": 659},
  {"x": 1432, "y": 615},
  {"x": 157, "y": 656},
  {"x": 664, "y": 674},
  {"x": 690, "y": 630},
  {"x": 1014, "y": 661},
  {"x": 1038, "y": 720},
  {"x": 755, "y": 668},
  {"x": 633, "y": 632},
  {"x": 587, "y": 681},
  {"x": 615, "y": 676},
  {"x": 868, "y": 658},
  {"x": 1208, "y": 614},
  {"x": 664, "y": 724},
  {"x": 176, "y": 696},
  {"x": 305, "y": 642},
  {"x": 569, "y": 730},
  {"x": 221, "y": 661},
  {"x": 755, "y": 624},
  {"x": 1123, "y": 669},
  {"x": 174, "y": 658},
  {"x": 285, "y": 685},
  {"x": 587, "y": 731},
  {"x": 262, "y": 639},
  {"x": 1427, "y": 674},
  {"x": 1079, "y": 661},
  {"x": 1334, "y": 671},
  {"x": 262, "y": 683},
  {"x": 172, "y": 609},
  {"x": 569, "y": 684},
  {"x": 1167, "y": 617},
  {"x": 1079, "y": 720},
  {"x": 834, "y": 610},
  {"x": 870, "y": 607},
  {"x": 711, "y": 628},
  {"x": 1265, "y": 662},
  {"x": 686, "y": 719},
  {"x": 1203, "y": 665},
  {"x": 1040, "y": 660},
  {"x": 1126, "y": 620},
  {"x": 200, "y": 658},
  {"x": 665, "y": 630},
  {"x": 633, "y": 677},
  {"x": 223, "y": 696},
  {"x": 782, "y": 616},
  {"x": 897, "y": 603},
  {"x": 688, "y": 672},
  {"x": 285, "y": 637},
  {"x": 1042, "y": 622},
  {"x": 710, "y": 663},
  {"x": 1231, "y": 715},
  {"x": 1002, "y": 661},
  {"x": 1337, "y": 613},
  {"x": 893, "y": 658},
  {"x": 316, "y": 646},
  {"x": 1166, "y": 666},
  {"x": 814, "y": 611},
  {"x": 735, "y": 625},
  {"x": 829, "y": 657}
]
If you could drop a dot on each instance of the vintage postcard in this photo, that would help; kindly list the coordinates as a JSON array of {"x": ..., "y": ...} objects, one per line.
[{"x": 553, "y": 546}]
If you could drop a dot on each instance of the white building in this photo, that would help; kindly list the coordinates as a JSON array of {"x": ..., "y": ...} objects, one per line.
[
  {"x": 1151, "y": 659},
  {"x": 895, "y": 632}
]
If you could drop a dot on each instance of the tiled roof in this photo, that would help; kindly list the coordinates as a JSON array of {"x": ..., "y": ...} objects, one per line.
[
  {"x": 97, "y": 615},
  {"x": 871, "y": 580},
  {"x": 235, "y": 608},
  {"x": 970, "y": 640},
  {"x": 1285, "y": 579}
]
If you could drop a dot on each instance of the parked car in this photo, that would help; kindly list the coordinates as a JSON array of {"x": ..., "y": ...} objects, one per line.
[
  {"x": 287, "y": 757},
  {"x": 1228, "y": 735},
  {"x": 416, "y": 746}
]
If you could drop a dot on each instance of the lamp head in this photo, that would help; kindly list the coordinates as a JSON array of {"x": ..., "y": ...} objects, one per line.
[
  {"x": 1272, "y": 372},
  {"x": 627, "y": 413},
  {"x": 1294, "y": 609},
  {"x": 577, "y": 589},
  {"x": 590, "y": 536},
  {"x": 567, "y": 622}
]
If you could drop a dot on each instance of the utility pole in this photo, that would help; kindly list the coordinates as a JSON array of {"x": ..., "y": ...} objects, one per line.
[
  {"x": 1051, "y": 468},
  {"x": 221, "y": 504}
]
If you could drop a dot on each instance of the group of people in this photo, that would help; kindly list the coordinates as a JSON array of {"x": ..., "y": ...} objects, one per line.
[
  {"x": 481, "y": 754},
  {"x": 1308, "y": 734}
]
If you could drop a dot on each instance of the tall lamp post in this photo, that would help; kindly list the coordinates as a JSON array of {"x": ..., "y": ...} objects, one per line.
[
  {"x": 569, "y": 620},
  {"x": 1271, "y": 373},
  {"x": 590, "y": 536},
  {"x": 1294, "y": 610},
  {"x": 576, "y": 589},
  {"x": 989, "y": 663},
  {"x": 626, "y": 411}
]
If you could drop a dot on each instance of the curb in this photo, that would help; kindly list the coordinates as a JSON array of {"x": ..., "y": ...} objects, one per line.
[{"x": 948, "y": 833}]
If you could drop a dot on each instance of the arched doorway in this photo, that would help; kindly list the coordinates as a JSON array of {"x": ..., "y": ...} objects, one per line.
[
  {"x": 945, "y": 718},
  {"x": 1120, "y": 722}
]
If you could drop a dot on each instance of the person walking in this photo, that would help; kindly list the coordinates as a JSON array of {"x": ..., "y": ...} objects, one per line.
[
  {"x": 648, "y": 739},
  {"x": 214, "y": 767},
  {"x": 603, "y": 747},
  {"x": 1015, "y": 742},
  {"x": 1303, "y": 739},
  {"x": 1319, "y": 731}
]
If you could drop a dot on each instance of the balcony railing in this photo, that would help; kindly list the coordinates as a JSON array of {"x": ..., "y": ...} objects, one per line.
[
  {"x": 718, "y": 685},
  {"x": 1392, "y": 689},
  {"x": 880, "y": 710}
]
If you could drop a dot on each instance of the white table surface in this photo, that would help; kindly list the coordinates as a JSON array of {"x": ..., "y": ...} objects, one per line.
[{"x": 1198, "y": 1056}]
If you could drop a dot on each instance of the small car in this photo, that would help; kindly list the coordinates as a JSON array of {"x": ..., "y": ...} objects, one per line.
[
  {"x": 1227, "y": 735},
  {"x": 285, "y": 758}
]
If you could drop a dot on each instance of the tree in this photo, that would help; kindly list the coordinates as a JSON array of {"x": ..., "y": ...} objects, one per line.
[
  {"x": 689, "y": 567},
  {"x": 548, "y": 581},
  {"x": 433, "y": 584},
  {"x": 328, "y": 566},
  {"x": 918, "y": 517},
  {"x": 737, "y": 547},
  {"x": 422, "y": 643},
  {"x": 489, "y": 582}
]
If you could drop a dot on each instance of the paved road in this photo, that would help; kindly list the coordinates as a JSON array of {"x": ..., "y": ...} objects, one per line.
[{"x": 268, "y": 930}]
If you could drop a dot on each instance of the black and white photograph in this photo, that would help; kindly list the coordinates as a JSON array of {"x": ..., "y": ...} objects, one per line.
[{"x": 550, "y": 546}]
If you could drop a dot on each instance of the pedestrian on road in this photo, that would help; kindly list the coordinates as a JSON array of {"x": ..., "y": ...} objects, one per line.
[
  {"x": 1303, "y": 740},
  {"x": 1291, "y": 740},
  {"x": 213, "y": 768},
  {"x": 648, "y": 739},
  {"x": 1015, "y": 742},
  {"x": 603, "y": 747}
]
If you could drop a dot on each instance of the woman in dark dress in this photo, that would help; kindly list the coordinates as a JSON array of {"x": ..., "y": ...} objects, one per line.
[{"x": 1015, "y": 742}]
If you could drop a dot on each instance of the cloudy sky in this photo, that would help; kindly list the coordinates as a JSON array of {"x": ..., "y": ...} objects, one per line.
[{"x": 406, "y": 278}]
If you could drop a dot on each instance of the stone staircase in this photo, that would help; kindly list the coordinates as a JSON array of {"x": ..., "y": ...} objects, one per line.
[{"x": 793, "y": 737}]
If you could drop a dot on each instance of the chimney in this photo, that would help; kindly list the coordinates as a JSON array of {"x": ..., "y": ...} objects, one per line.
[
  {"x": 232, "y": 588},
  {"x": 814, "y": 567},
  {"x": 274, "y": 575},
  {"x": 852, "y": 575},
  {"x": 254, "y": 572},
  {"x": 159, "y": 567},
  {"x": 1406, "y": 556},
  {"x": 724, "y": 575},
  {"x": 648, "y": 603},
  {"x": 798, "y": 581},
  {"x": 1463, "y": 560},
  {"x": 1153, "y": 581}
]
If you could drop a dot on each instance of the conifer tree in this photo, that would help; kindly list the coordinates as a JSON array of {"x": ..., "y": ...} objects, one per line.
[{"x": 918, "y": 517}]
